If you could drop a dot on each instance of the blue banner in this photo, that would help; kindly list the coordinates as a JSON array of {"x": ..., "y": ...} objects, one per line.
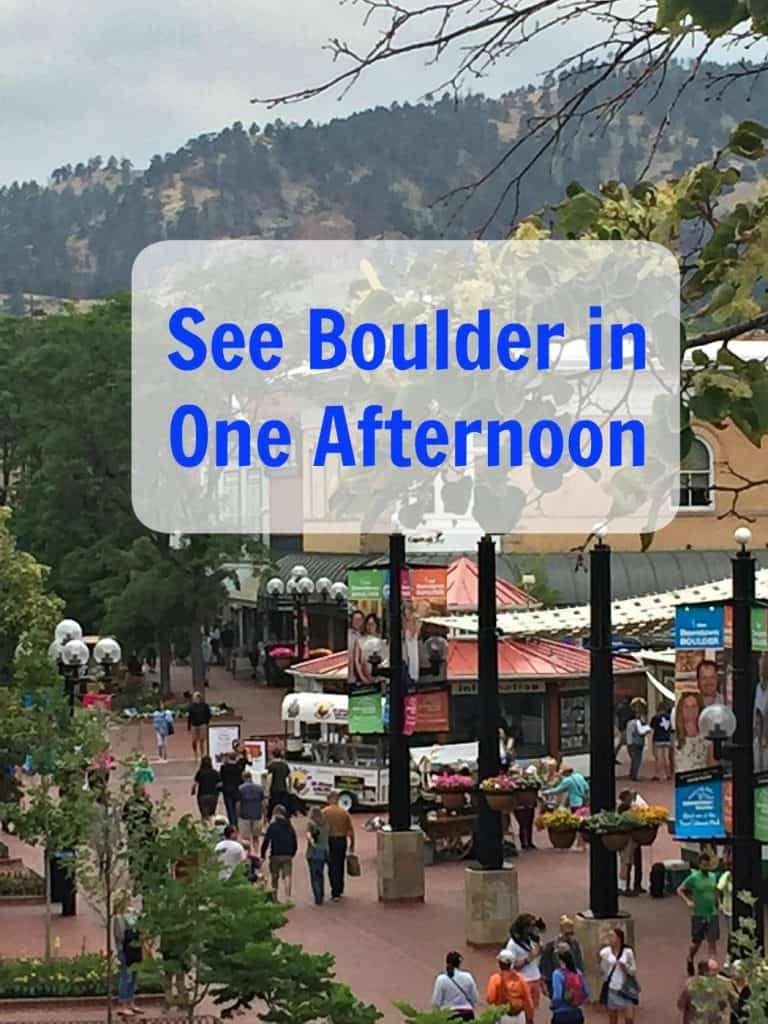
[
  {"x": 699, "y": 809},
  {"x": 699, "y": 628}
]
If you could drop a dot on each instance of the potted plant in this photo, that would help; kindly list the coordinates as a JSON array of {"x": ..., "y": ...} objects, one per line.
[
  {"x": 647, "y": 823},
  {"x": 452, "y": 789},
  {"x": 614, "y": 829},
  {"x": 500, "y": 792},
  {"x": 562, "y": 826}
]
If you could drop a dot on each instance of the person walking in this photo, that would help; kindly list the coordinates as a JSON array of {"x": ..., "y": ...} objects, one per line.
[
  {"x": 622, "y": 717},
  {"x": 206, "y": 787},
  {"x": 206, "y": 657},
  {"x": 198, "y": 719},
  {"x": 281, "y": 844},
  {"x": 508, "y": 988},
  {"x": 699, "y": 893},
  {"x": 128, "y": 952},
  {"x": 631, "y": 857},
  {"x": 250, "y": 808},
  {"x": 661, "y": 725},
  {"x": 162, "y": 722},
  {"x": 232, "y": 770},
  {"x": 230, "y": 852},
  {"x": 526, "y": 948},
  {"x": 227, "y": 647},
  {"x": 278, "y": 781},
  {"x": 569, "y": 991},
  {"x": 564, "y": 942},
  {"x": 618, "y": 970},
  {"x": 341, "y": 839},
  {"x": 455, "y": 989},
  {"x": 317, "y": 853},
  {"x": 637, "y": 730},
  {"x": 576, "y": 790}
]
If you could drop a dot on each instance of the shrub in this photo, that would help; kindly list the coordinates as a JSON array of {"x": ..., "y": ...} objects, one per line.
[
  {"x": 560, "y": 820},
  {"x": 453, "y": 783},
  {"x": 21, "y": 883},
  {"x": 609, "y": 821},
  {"x": 508, "y": 783},
  {"x": 83, "y": 975},
  {"x": 649, "y": 816}
]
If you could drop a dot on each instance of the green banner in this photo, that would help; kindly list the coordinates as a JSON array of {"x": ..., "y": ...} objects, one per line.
[
  {"x": 761, "y": 814},
  {"x": 760, "y": 629},
  {"x": 365, "y": 584},
  {"x": 365, "y": 713}
]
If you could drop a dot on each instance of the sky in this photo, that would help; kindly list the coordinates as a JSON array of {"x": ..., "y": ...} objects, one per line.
[{"x": 79, "y": 79}]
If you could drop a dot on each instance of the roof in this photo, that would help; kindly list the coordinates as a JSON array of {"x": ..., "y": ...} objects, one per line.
[
  {"x": 628, "y": 614},
  {"x": 463, "y": 589},
  {"x": 523, "y": 658}
]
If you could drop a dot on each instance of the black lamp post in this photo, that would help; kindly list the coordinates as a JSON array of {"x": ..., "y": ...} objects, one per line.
[
  {"x": 747, "y": 853},
  {"x": 399, "y": 752},
  {"x": 489, "y": 837},
  {"x": 603, "y": 882}
]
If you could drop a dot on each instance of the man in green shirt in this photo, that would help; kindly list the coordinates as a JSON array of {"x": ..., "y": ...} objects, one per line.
[{"x": 699, "y": 891}]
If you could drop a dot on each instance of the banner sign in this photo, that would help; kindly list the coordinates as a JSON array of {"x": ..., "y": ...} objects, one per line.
[
  {"x": 409, "y": 715},
  {"x": 365, "y": 584},
  {"x": 220, "y": 741},
  {"x": 699, "y": 628},
  {"x": 699, "y": 806},
  {"x": 761, "y": 809},
  {"x": 365, "y": 713},
  {"x": 432, "y": 711},
  {"x": 759, "y": 621}
]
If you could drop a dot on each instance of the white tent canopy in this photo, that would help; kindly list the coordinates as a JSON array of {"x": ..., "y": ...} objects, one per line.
[{"x": 628, "y": 614}]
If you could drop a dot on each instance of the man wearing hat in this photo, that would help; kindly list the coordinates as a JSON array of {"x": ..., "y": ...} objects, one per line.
[
  {"x": 509, "y": 989},
  {"x": 565, "y": 940}
]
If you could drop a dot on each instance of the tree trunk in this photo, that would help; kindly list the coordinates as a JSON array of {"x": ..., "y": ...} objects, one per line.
[
  {"x": 196, "y": 658},
  {"x": 164, "y": 650},
  {"x": 48, "y": 913}
]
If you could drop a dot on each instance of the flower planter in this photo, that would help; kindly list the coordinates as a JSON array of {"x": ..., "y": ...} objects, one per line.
[
  {"x": 453, "y": 801},
  {"x": 524, "y": 798},
  {"x": 500, "y": 801},
  {"x": 562, "y": 838},
  {"x": 615, "y": 841},
  {"x": 644, "y": 836}
]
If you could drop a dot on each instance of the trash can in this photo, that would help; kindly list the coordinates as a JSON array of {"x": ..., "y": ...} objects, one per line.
[{"x": 63, "y": 888}]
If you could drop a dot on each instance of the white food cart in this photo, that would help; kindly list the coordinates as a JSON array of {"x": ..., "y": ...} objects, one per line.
[{"x": 324, "y": 757}]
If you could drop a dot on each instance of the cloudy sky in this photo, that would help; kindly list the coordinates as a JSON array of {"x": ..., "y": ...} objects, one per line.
[{"x": 80, "y": 78}]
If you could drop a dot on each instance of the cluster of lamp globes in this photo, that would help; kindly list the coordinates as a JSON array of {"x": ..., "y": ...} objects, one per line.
[
  {"x": 301, "y": 584},
  {"x": 70, "y": 650}
]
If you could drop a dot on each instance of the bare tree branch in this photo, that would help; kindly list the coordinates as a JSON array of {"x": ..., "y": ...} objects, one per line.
[{"x": 727, "y": 333}]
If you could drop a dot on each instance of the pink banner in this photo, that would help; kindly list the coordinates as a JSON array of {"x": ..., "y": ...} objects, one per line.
[{"x": 409, "y": 715}]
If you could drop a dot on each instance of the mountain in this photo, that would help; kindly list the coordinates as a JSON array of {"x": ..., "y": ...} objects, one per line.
[{"x": 376, "y": 173}]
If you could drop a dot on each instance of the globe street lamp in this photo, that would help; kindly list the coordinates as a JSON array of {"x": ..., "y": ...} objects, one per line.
[
  {"x": 74, "y": 659},
  {"x": 107, "y": 654}
]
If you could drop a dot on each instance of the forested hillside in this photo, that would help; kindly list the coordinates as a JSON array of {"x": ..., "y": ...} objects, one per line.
[{"x": 366, "y": 175}]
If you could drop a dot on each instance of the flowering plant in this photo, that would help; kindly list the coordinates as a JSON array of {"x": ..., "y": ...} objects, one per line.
[
  {"x": 650, "y": 817},
  {"x": 453, "y": 783},
  {"x": 609, "y": 821},
  {"x": 559, "y": 821},
  {"x": 505, "y": 783}
]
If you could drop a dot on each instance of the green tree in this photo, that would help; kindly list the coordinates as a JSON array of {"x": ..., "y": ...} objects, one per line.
[
  {"x": 219, "y": 940},
  {"x": 56, "y": 746},
  {"x": 28, "y": 612}
]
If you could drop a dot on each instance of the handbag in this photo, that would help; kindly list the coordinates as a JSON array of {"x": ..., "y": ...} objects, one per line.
[
  {"x": 630, "y": 990},
  {"x": 353, "y": 865}
]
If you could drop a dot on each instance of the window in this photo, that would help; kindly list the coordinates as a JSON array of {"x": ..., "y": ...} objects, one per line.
[{"x": 696, "y": 477}]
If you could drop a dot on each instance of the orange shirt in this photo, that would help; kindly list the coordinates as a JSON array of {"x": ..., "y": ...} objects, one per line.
[
  {"x": 338, "y": 821},
  {"x": 510, "y": 989}
]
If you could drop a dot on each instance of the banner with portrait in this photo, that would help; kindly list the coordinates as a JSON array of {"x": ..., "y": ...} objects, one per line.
[
  {"x": 367, "y": 650},
  {"x": 425, "y": 647}
]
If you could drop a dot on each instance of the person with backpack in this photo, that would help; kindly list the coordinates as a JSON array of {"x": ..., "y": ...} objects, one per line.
[
  {"x": 509, "y": 988},
  {"x": 128, "y": 951},
  {"x": 162, "y": 722},
  {"x": 569, "y": 991},
  {"x": 565, "y": 941},
  {"x": 455, "y": 989}
]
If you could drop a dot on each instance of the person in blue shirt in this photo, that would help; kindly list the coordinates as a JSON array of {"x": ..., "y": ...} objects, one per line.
[
  {"x": 576, "y": 790},
  {"x": 162, "y": 721},
  {"x": 569, "y": 991}
]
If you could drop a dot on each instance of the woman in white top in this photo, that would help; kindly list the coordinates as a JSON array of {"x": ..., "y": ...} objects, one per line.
[
  {"x": 526, "y": 947},
  {"x": 617, "y": 966},
  {"x": 455, "y": 990}
]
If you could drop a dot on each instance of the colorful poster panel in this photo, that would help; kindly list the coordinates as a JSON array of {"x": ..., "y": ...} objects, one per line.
[{"x": 367, "y": 650}]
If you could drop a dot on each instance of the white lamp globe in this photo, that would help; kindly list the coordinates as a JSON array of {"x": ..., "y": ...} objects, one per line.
[
  {"x": 717, "y": 722},
  {"x": 742, "y": 535},
  {"x": 305, "y": 586},
  {"x": 275, "y": 587},
  {"x": 292, "y": 586},
  {"x": 107, "y": 651},
  {"x": 339, "y": 591},
  {"x": 75, "y": 653},
  {"x": 324, "y": 586},
  {"x": 54, "y": 651},
  {"x": 68, "y": 630},
  {"x": 298, "y": 571}
]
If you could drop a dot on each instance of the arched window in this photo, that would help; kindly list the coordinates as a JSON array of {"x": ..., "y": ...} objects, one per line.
[{"x": 696, "y": 476}]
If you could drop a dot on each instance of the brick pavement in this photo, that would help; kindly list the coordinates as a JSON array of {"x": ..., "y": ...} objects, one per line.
[{"x": 388, "y": 952}]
